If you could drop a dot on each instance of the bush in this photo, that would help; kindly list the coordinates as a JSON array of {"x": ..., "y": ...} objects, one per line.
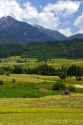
[
  {"x": 13, "y": 80},
  {"x": 1, "y": 71},
  {"x": 59, "y": 86},
  {"x": 62, "y": 75},
  {"x": 46, "y": 70},
  {"x": 18, "y": 69},
  {"x": 1, "y": 82},
  {"x": 78, "y": 78},
  {"x": 71, "y": 88},
  {"x": 7, "y": 73}
]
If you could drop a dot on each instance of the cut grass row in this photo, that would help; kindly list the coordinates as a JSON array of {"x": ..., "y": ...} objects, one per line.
[
  {"x": 52, "y": 110},
  {"x": 43, "y": 117},
  {"x": 74, "y": 101}
]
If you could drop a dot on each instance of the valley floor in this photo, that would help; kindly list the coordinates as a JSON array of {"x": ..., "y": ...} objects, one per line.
[{"x": 30, "y": 99}]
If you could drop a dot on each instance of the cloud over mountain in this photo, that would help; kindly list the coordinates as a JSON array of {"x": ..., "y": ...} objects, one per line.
[
  {"x": 51, "y": 15},
  {"x": 79, "y": 23}
]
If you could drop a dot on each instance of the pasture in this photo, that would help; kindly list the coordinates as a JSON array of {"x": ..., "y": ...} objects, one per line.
[
  {"x": 32, "y": 62},
  {"x": 54, "y": 110},
  {"x": 33, "y": 86},
  {"x": 27, "y": 99},
  {"x": 43, "y": 117}
]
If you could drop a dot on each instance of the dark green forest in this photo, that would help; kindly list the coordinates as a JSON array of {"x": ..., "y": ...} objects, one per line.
[
  {"x": 58, "y": 49},
  {"x": 11, "y": 49}
]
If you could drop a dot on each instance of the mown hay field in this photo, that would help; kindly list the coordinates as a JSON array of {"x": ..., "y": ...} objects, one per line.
[{"x": 55, "y": 110}]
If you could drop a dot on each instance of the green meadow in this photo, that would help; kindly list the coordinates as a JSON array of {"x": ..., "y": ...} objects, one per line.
[
  {"x": 32, "y": 62},
  {"x": 28, "y": 99},
  {"x": 33, "y": 86},
  {"x": 53, "y": 110},
  {"x": 43, "y": 117}
]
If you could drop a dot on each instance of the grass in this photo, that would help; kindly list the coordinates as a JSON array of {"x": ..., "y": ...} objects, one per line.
[
  {"x": 53, "y": 110},
  {"x": 32, "y": 86},
  {"x": 57, "y": 101},
  {"x": 25, "y": 78},
  {"x": 25, "y": 91},
  {"x": 65, "y": 62},
  {"x": 43, "y": 117},
  {"x": 31, "y": 101},
  {"x": 32, "y": 62}
]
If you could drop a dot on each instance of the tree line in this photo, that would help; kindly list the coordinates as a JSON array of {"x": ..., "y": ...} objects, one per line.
[{"x": 45, "y": 69}]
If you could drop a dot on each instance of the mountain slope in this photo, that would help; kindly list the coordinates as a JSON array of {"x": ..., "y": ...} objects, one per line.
[
  {"x": 55, "y": 34},
  {"x": 11, "y": 49},
  {"x": 12, "y": 30},
  {"x": 80, "y": 36},
  {"x": 62, "y": 49}
]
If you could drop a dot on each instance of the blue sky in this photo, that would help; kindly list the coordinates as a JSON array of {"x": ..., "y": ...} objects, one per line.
[{"x": 65, "y": 16}]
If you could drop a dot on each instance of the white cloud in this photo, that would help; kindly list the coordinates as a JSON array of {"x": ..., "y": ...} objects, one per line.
[
  {"x": 12, "y": 8},
  {"x": 79, "y": 23},
  {"x": 45, "y": 19},
  {"x": 51, "y": 14},
  {"x": 30, "y": 11},
  {"x": 48, "y": 20},
  {"x": 63, "y": 8},
  {"x": 49, "y": 17},
  {"x": 66, "y": 31}
]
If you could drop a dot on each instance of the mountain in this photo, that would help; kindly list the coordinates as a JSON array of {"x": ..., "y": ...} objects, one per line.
[
  {"x": 79, "y": 36},
  {"x": 12, "y": 30},
  {"x": 54, "y": 34}
]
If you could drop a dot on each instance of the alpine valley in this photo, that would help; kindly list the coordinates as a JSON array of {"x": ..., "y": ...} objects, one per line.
[{"x": 20, "y": 38}]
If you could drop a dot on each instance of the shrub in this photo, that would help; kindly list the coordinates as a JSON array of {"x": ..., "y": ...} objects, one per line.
[
  {"x": 78, "y": 78},
  {"x": 71, "y": 88},
  {"x": 7, "y": 73},
  {"x": 46, "y": 70},
  {"x": 13, "y": 80},
  {"x": 62, "y": 75},
  {"x": 1, "y": 82},
  {"x": 59, "y": 86},
  {"x": 18, "y": 69},
  {"x": 62, "y": 72},
  {"x": 1, "y": 71}
]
